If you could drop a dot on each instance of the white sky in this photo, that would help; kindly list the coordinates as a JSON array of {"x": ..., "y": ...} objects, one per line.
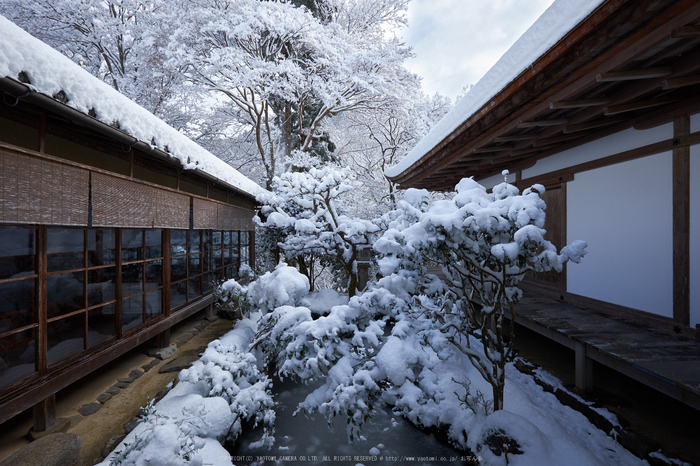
[{"x": 457, "y": 41}]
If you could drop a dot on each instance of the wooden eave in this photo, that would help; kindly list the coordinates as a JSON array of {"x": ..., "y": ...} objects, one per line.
[
  {"x": 90, "y": 128},
  {"x": 631, "y": 63}
]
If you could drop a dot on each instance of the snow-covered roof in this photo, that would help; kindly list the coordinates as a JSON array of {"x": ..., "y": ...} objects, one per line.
[
  {"x": 554, "y": 24},
  {"x": 49, "y": 72}
]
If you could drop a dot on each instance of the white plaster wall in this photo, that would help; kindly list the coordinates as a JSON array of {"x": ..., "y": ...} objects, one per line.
[
  {"x": 492, "y": 181},
  {"x": 609, "y": 145},
  {"x": 695, "y": 231},
  {"x": 695, "y": 122},
  {"x": 624, "y": 212}
]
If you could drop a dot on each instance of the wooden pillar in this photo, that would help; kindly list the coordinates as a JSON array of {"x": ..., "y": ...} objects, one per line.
[
  {"x": 251, "y": 247},
  {"x": 681, "y": 224},
  {"x": 163, "y": 339},
  {"x": 45, "y": 414},
  {"x": 584, "y": 368}
]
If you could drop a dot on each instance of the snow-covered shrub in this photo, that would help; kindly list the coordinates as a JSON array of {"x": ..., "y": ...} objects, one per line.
[
  {"x": 231, "y": 297},
  {"x": 213, "y": 399},
  {"x": 305, "y": 210},
  {"x": 283, "y": 286},
  {"x": 230, "y": 372}
]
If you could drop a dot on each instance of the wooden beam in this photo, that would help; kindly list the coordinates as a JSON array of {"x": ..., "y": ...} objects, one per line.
[
  {"x": 529, "y": 150},
  {"x": 673, "y": 83},
  {"x": 685, "y": 31},
  {"x": 515, "y": 137},
  {"x": 486, "y": 150},
  {"x": 632, "y": 106},
  {"x": 537, "y": 123},
  {"x": 634, "y": 74},
  {"x": 556, "y": 139},
  {"x": 689, "y": 106},
  {"x": 681, "y": 223},
  {"x": 593, "y": 124},
  {"x": 581, "y": 103}
]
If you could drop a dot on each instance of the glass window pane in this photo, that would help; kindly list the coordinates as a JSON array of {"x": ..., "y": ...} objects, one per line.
[
  {"x": 216, "y": 240},
  {"x": 132, "y": 238},
  {"x": 153, "y": 244},
  {"x": 132, "y": 312},
  {"x": 17, "y": 360},
  {"x": 102, "y": 324},
  {"x": 194, "y": 265},
  {"x": 245, "y": 254},
  {"x": 65, "y": 338},
  {"x": 208, "y": 261},
  {"x": 154, "y": 274},
  {"x": 194, "y": 288},
  {"x": 193, "y": 239},
  {"x": 218, "y": 260},
  {"x": 234, "y": 256},
  {"x": 16, "y": 305},
  {"x": 208, "y": 282},
  {"x": 65, "y": 293},
  {"x": 101, "y": 247},
  {"x": 178, "y": 268},
  {"x": 132, "y": 279},
  {"x": 234, "y": 239},
  {"x": 229, "y": 273},
  {"x": 17, "y": 251},
  {"x": 227, "y": 256},
  {"x": 102, "y": 285},
  {"x": 227, "y": 239},
  {"x": 64, "y": 240},
  {"x": 132, "y": 245},
  {"x": 154, "y": 304},
  {"x": 206, "y": 240},
  {"x": 65, "y": 249},
  {"x": 178, "y": 242},
  {"x": 244, "y": 238},
  {"x": 178, "y": 295}
]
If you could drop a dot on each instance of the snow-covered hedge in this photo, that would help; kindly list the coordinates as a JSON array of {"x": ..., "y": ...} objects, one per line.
[
  {"x": 283, "y": 286},
  {"x": 213, "y": 398}
]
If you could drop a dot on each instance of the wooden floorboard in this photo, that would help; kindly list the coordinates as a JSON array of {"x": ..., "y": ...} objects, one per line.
[{"x": 666, "y": 362}]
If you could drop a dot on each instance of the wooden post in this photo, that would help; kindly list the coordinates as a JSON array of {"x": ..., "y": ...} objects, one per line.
[
  {"x": 45, "y": 414},
  {"x": 163, "y": 339},
  {"x": 584, "y": 368},
  {"x": 681, "y": 224}
]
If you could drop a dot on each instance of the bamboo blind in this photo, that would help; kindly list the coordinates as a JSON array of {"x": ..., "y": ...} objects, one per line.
[
  {"x": 38, "y": 191},
  {"x": 205, "y": 214},
  {"x": 235, "y": 218},
  {"x": 118, "y": 202},
  {"x": 210, "y": 215}
]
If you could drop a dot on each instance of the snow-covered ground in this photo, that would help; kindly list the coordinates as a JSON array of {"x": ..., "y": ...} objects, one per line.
[{"x": 214, "y": 398}]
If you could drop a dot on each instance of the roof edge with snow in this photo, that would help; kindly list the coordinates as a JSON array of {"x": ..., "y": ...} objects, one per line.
[
  {"x": 550, "y": 29},
  {"x": 50, "y": 72}
]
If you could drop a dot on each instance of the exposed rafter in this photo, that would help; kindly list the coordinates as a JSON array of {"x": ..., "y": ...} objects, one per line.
[
  {"x": 581, "y": 103},
  {"x": 686, "y": 31},
  {"x": 538, "y": 123},
  {"x": 629, "y": 75},
  {"x": 632, "y": 106},
  {"x": 673, "y": 83}
]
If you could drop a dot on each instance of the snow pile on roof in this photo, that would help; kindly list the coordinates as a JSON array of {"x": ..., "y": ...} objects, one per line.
[
  {"x": 550, "y": 28},
  {"x": 49, "y": 72}
]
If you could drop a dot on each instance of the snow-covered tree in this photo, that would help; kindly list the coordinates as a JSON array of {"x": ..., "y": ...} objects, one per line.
[
  {"x": 273, "y": 57},
  {"x": 306, "y": 210},
  {"x": 119, "y": 41},
  {"x": 485, "y": 243},
  {"x": 371, "y": 141}
]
